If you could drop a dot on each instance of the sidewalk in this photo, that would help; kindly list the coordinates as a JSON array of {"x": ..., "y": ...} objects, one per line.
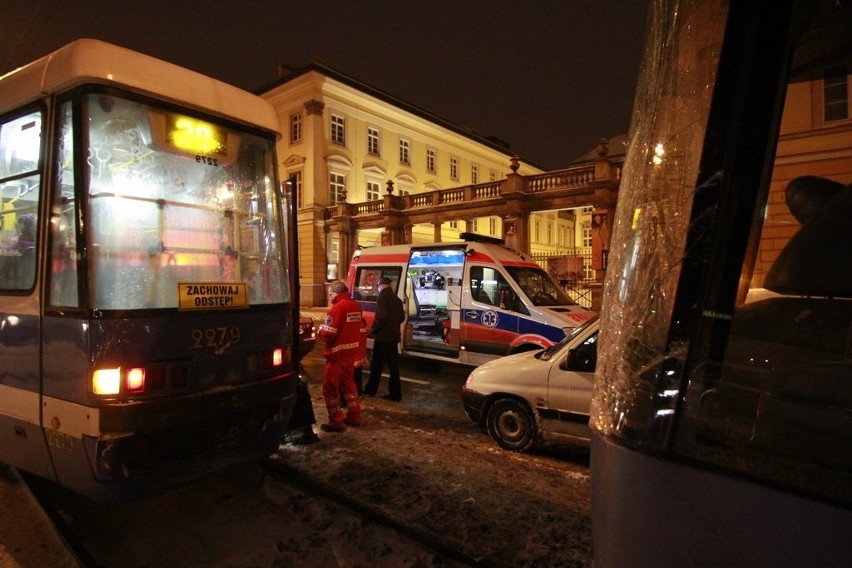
[
  {"x": 317, "y": 313},
  {"x": 27, "y": 538}
]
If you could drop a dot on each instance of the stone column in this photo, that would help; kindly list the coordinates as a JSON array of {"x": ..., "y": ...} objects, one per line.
[
  {"x": 514, "y": 190},
  {"x": 345, "y": 246},
  {"x": 312, "y": 233}
]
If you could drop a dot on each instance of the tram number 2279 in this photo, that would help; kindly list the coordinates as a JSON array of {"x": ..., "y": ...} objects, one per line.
[{"x": 217, "y": 338}]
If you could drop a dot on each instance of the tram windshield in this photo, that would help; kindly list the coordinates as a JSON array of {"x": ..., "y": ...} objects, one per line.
[{"x": 172, "y": 199}]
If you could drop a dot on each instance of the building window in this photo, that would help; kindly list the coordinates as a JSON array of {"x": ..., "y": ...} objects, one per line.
[
  {"x": 430, "y": 160},
  {"x": 492, "y": 226},
  {"x": 537, "y": 231},
  {"x": 336, "y": 188},
  {"x": 587, "y": 210},
  {"x": 475, "y": 225},
  {"x": 297, "y": 190},
  {"x": 587, "y": 234},
  {"x": 474, "y": 173},
  {"x": 374, "y": 190},
  {"x": 454, "y": 225},
  {"x": 588, "y": 271},
  {"x": 295, "y": 128},
  {"x": 492, "y": 175},
  {"x": 332, "y": 271},
  {"x": 454, "y": 167},
  {"x": 403, "y": 189},
  {"x": 835, "y": 94},
  {"x": 338, "y": 129},
  {"x": 373, "y": 141},
  {"x": 404, "y": 152},
  {"x": 549, "y": 233}
]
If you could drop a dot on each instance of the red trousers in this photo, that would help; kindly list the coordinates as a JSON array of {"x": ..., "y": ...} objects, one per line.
[{"x": 339, "y": 375}]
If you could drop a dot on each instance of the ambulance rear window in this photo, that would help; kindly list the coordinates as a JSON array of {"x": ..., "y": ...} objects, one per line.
[{"x": 367, "y": 278}]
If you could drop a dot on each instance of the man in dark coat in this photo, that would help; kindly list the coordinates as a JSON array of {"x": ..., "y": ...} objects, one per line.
[{"x": 386, "y": 336}]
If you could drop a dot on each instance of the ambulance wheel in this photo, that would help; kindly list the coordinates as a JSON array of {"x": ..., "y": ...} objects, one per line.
[{"x": 512, "y": 424}]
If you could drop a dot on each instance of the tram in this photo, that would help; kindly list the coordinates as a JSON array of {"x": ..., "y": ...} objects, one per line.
[
  {"x": 146, "y": 329},
  {"x": 722, "y": 410}
]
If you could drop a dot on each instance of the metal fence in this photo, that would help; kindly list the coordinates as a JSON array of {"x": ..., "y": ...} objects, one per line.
[{"x": 573, "y": 270}]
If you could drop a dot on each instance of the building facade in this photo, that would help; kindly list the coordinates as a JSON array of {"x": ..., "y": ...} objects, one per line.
[
  {"x": 346, "y": 140},
  {"x": 353, "y": 150}
]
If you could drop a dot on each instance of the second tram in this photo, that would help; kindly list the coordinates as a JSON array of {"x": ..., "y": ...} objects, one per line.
[{"x": 722, "y": 410}]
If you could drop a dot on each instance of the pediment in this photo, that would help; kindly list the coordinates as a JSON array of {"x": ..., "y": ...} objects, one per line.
[{"x": 294, "y": 160}]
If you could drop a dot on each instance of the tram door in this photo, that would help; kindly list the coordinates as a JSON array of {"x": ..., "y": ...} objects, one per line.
[{"x": 20, "y": 190}]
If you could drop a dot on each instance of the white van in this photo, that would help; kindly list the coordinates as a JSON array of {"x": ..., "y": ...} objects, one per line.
[{"x": 466, "y": 302}]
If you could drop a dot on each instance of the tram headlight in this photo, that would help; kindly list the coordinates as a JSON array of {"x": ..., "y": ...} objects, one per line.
[{"x": 106, "y": 381}]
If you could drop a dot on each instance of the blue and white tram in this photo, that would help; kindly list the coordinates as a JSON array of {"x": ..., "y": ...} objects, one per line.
[
  {"x": 145, "y": 327},
  {"x": 722, "y": 410}
]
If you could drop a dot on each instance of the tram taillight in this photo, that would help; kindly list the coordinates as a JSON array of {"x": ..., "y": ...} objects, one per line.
[
  {"x": 106, "y": 381},
  {"x": 136, "y": 380},
  {"x": 278, "y": 357}
]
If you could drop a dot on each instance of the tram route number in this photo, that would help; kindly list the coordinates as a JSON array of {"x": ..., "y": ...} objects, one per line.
[{"x": 212, "y": 295}]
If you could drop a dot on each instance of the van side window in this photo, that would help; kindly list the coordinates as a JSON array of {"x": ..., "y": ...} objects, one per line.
[
  {"x": 367, "y": 278},
  {"x": 585, "y": 357},
  {"x": 488, "y": 286}
]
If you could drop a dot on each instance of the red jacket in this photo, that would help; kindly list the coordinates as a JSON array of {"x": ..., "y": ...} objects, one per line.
[{"x": 341, "y": 331}]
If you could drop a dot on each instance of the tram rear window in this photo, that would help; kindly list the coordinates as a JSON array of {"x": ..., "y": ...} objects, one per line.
[{"x": 174, "y": 198}]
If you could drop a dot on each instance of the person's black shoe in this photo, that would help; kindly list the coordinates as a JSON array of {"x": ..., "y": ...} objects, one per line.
[
  {"x": 304, "y": 439},
  {"x": 333, "y": 428},
  {"x": 393, "y": 397}
]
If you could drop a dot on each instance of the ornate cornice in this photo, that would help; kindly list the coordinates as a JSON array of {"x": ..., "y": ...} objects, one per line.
[{"x": 314, "y": 106}]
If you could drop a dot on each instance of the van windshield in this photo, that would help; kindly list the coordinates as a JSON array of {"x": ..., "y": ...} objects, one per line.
[
  {"x": 548, "y": 353},
  {"x": 540, "y": 287}
]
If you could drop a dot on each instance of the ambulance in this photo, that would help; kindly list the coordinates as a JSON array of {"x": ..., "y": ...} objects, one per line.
[{"x": 467, "y": 302}]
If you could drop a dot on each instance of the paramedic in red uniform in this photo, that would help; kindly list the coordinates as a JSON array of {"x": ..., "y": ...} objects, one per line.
[{"x": 342, "y": 333}]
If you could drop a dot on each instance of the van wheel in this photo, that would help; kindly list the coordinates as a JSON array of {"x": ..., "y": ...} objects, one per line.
[{"x": 512, "y": 425}]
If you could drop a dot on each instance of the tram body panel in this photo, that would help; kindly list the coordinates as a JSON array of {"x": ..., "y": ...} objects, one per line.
[
  {"x": 20, "y": 431},
  {"x": 200, "y": 400}
]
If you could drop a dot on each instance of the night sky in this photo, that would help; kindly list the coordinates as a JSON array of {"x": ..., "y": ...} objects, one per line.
[{"x": 548, "y": 77}]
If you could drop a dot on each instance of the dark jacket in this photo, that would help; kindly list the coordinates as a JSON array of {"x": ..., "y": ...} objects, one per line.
[{"x": 389, "y": 317}]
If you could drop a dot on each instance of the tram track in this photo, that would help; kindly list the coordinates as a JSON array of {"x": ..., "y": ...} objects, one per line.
[
  {"x": 58, "y": 506},
  {"x": 427, "y": 539}
]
